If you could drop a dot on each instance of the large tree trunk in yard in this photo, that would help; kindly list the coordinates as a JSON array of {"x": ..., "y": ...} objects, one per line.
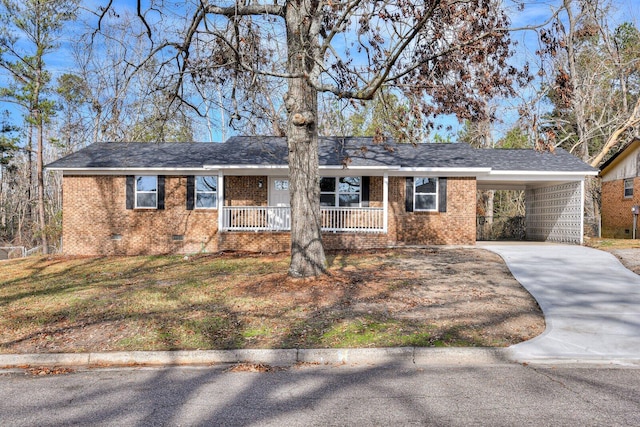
[
  {"x": 42, "y": 218},
  {"x": 37, "y": 113},
  {"x": 578, "y": 106},
  {"x": 307, "y": 252}
]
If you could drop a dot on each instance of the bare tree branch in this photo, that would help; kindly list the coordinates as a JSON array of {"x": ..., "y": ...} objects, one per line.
[{"x": 632, "y": 121}]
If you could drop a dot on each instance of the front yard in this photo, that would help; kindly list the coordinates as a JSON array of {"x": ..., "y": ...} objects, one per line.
[{"x": 441, "y": 296}]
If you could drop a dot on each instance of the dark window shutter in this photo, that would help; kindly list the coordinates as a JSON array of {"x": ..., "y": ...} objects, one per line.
[
  {"x": 191, "y": 183},
  {"x": 408, "y": 202},
  {"x": 160, "y": 191},
  {"x": 442, "y": 194},
  {"x": 131, "y": 192},
  {"x": 366, "y": 181}
]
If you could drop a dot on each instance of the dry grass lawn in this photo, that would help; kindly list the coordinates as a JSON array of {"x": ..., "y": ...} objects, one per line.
[
  {"x": 626, "y": 250},
  {"x": 442, "y": 296}
]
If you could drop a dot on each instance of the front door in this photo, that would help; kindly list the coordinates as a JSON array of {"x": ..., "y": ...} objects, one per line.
[
  {"x": 279, "y": 191},
  {"x": 279, "y": 214}
]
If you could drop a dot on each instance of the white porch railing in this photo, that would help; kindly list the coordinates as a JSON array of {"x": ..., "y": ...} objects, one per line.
[
  {"x": 271, "y": 218},
  {"x": 256, "y": 218},
  {"x": 362, "y": 220}
]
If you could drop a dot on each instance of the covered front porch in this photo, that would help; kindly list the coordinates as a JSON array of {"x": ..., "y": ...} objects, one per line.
[{"x": 260, "y": 203}]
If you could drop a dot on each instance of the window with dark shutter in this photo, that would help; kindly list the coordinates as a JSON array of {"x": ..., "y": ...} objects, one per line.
[
  {"x": 341, "y": 191},
  {"x": 408, "y": 203},
  {"x": 161, "y": 179},
  {"x": 366, "y": 182},
  {"x": 426, "y": 194},
  {"x": 190, "y": 192},
  {"x": 442, "y": 194},
  {"x": 130, "y": 192},
  {"x": 206, "y": 192},
  {"x": 146, "y": 191}
]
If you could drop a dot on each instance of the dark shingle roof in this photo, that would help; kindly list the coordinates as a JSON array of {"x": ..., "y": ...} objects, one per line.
[
  {"x": 116, "y": 155},
  {"x": 270, "y": 151},
  {"x": 360, "y": 152},
  {"x": 531, "y": 160}
]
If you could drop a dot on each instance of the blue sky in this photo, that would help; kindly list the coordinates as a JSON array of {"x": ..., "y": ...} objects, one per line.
[{"x": 536, "y": 11}]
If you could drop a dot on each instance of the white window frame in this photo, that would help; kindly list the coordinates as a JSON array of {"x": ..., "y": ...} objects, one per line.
[
  {"x": 137, "y": 192},
  {"x": 196, "y": 192},
  {"x": 416, "y": 194},
  {"x": 336, "y": 191},
  {"x": 625, "y": 188},
  {"x": 284, "y": 182}
]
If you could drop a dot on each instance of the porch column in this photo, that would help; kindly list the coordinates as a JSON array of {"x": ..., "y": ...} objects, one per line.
[
  {"x": 385, "y": 202},
  {"x": 582, "y": 212},
  {"x": 220, "y": 201}
]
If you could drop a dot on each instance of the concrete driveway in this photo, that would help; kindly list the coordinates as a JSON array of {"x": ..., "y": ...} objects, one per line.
[{"x": 591, "y": 302}]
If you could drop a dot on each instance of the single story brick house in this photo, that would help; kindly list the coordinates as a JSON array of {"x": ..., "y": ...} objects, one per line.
[
  {"x": 148, "y": 198},
  {"x": 620, "y": 191}
]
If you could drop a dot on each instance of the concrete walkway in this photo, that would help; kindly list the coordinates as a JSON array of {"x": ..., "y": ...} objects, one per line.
[{"x": 590, "y": 301}]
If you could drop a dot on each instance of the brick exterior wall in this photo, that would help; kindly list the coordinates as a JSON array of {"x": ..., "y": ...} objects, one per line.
[
  {"x": 94, "y": 215},
  {"x": 455, "y": 226},
  {"x": 617, "y": 219},
  {"x": 246, "y": 191}
]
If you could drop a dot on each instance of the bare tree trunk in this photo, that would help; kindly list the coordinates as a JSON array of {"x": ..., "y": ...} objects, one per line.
[
  {"x": 481, "y": 137},
  {"x": 42, "y": 218},
  {"x": 30, "y": 163},
  {"x": 28, "y": 220},
  {"x": 632, "y": 121},
  {"x": 578, "y": 107},
  {"x": 486, "y": 140},
  {"x": 486, "y": 199},
  {"x": 307, "y": 252},
  {"x": 3, "y": 207}
]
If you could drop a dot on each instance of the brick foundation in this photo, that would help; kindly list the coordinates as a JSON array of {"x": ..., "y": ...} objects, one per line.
[{"x": 254, "y": 241}]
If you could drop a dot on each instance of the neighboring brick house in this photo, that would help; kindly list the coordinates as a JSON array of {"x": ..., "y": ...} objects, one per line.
[
  {"x": 620, "y": 191},
  {"x": 146, "y": 198}
]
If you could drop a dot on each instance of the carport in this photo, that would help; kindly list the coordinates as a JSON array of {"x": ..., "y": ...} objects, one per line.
[{"x": 554, "y": 188}]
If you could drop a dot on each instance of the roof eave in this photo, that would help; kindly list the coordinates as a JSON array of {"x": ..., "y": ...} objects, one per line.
[
  {"x": 125, "y": 171},
  {"x": 497, "y": 175},
  {"x": 445, "y": 171},
  {"x": 618, "y": 157}
]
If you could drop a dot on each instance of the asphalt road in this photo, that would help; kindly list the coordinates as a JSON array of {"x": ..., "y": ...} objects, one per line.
[{"x": 498, "y": 395}]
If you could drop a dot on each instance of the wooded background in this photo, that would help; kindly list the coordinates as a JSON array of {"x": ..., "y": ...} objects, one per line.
[{"x": 72, "y": 76}]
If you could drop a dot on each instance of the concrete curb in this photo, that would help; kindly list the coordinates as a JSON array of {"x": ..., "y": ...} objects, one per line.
[
  {"x": 517, "y": 356},
  {"x": 410, "y": 356},
  {"x": 286, "y": 357}
]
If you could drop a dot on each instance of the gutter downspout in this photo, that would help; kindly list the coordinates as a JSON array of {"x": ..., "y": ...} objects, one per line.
[
  {"x": 385, "y": 203},
  {"x": 221, "y": 212}
]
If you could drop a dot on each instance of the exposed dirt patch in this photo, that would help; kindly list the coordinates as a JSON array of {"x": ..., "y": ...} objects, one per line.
[
  {"x": 630, "y": 258},
  {"x": 465, "y": 295},
  {"x": 626, "y": 250}
]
